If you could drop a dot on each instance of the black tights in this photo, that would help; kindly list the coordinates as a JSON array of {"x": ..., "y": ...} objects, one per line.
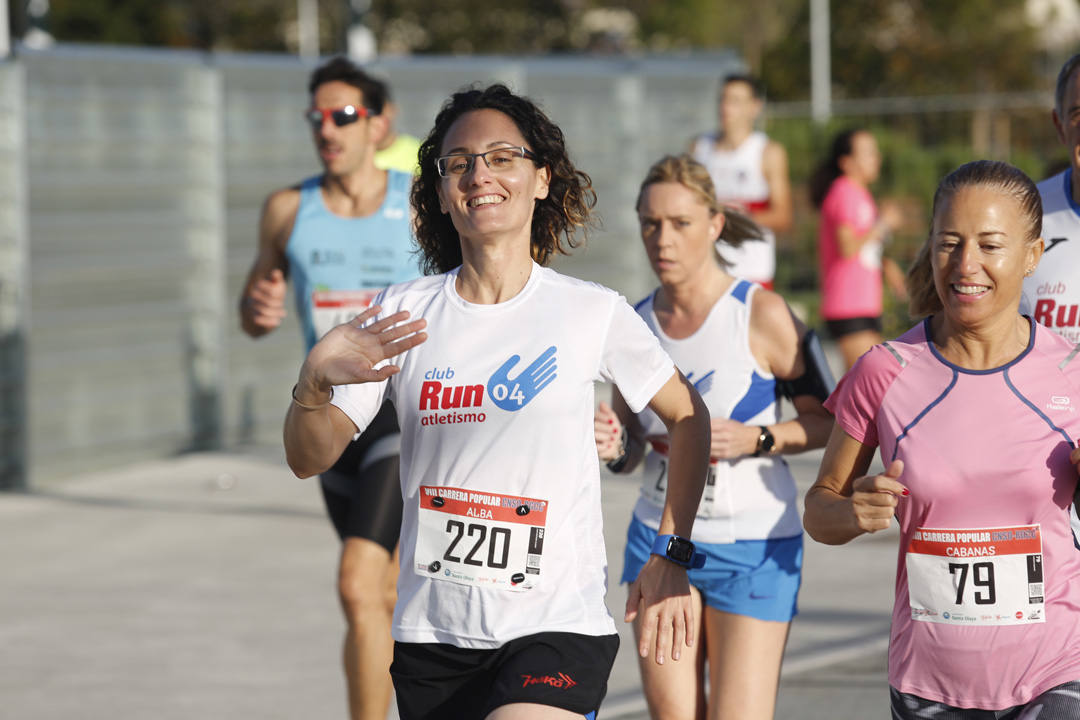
[{"x": 1057, "y": 703}]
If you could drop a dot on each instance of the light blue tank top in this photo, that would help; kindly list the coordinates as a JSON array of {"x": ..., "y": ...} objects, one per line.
[{"x": 339, "y": 264}]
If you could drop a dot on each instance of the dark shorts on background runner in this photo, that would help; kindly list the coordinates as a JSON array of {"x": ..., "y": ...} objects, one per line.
[
  {"x": 849, "y": 326},
  {"x": 1057, "y": 703},
  {"x": 435, "y": 681},
  {"x": 362, "y": 490}
]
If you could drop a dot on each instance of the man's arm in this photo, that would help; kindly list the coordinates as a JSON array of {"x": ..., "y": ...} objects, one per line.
[{"x": 262, "y": 302}]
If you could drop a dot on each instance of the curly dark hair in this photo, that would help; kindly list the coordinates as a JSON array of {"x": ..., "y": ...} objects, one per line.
[{"x": 567, "y": 207}]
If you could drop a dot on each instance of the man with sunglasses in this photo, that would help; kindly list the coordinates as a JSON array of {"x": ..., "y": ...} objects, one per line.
[{"x": 342, "y": 236}]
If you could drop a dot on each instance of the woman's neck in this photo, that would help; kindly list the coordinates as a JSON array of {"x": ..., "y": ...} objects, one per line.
[
  {"x": 683, "y": 307},
  {"x": 854, "y": 179},
  {"x": 493, "y": 272},
  {"x": 989, "y": 345}
]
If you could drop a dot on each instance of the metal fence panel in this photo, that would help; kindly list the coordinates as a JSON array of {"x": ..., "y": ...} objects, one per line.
[
  {"x": 267, "y": 147},
  {"x": 122, "y": 151},
  {"x": 14, "y": 278}
]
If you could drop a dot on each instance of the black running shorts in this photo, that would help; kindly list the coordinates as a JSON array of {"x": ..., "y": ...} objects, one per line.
[
  {"x": 363, "y": 489},
  {"x": 435, "y": 681},
  {"x": 849, "y": 326}
]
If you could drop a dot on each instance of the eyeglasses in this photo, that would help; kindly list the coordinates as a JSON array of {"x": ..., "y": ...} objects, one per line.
[
  {"x": 341, "y": 116},
  {"x": 497, "y": 160}
]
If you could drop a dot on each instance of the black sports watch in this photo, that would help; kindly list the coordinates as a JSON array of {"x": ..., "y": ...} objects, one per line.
[
  {"x": 765, "y": 442},
  {"x": 678, "y": 550}
]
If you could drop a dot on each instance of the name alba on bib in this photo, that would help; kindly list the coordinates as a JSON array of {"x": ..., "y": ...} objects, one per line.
[
  {"x": 479, "y": 538},
  {"x": 980, "y": 576}
]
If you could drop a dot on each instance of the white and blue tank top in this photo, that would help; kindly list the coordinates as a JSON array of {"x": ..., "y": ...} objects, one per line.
[{"x": 748, "y": 498}]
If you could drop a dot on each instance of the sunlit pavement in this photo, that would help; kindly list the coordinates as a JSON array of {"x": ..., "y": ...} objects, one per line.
[{"x": 204, "y": 587}]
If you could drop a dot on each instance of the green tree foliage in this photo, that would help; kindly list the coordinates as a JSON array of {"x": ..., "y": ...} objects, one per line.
[
  {"x": 243, "y": 25},
  {"x": 879, "y": 47},
  {"x": 120, "y": 22},
  {"x": 911, "y": 47},
  {"x": 749, "y": 27},
  {"x": 473, "y": 26}
]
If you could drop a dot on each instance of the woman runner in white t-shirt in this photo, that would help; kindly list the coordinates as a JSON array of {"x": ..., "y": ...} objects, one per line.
[
  {"x": 737, "y": 342},
  {"x": 500, "y": 597}
]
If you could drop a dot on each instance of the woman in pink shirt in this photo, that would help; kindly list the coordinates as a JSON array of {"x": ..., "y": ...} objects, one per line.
[
  {"x": 850, "y": 241},
  {"x": 974, "y": 410}
]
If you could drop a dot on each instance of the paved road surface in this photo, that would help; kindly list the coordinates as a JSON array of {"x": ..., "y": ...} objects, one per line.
[{"x": 203, "y": 587}]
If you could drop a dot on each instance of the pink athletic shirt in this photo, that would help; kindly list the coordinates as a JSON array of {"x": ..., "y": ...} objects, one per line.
[
  {"x": 850, "y": 287},
  {"x": 987, "y": 611}
]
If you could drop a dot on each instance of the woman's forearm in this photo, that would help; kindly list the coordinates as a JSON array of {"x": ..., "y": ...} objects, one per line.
[
  {"x": 828, "y": 517},
  {"x": 688, "y": 468},
  {"x": 316, "y": 432},
  {"x": 850, "y": 243}
]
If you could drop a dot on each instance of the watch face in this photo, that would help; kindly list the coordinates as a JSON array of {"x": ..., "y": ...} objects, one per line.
[
  {"x": 680, "y": 549},
  {"x": 766, "y": 441}
]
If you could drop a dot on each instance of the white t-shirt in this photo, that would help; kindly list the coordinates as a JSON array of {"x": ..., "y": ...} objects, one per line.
[
  {"x": 748, "y": 498},
  {"x": 1052, "y": 292},
  {"x": 501, "y": 534}
]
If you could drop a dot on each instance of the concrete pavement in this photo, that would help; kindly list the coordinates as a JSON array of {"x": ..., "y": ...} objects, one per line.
[{"x": 203, "y": 586}]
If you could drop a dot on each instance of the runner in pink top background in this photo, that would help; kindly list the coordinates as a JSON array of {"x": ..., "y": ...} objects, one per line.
[
  {"x": 974, "y": 411},
  {"x": 851, "y": 237},
  {"x": 850, "y": 286}
]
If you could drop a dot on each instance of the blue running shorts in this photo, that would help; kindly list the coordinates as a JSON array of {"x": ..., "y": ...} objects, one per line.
[{"x": 756, "y": 578}]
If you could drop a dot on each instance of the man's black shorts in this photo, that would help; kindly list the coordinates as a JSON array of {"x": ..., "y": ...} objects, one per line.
[
  {"x": 363, "y": 489},
  {"x": 435, "y": 681}
]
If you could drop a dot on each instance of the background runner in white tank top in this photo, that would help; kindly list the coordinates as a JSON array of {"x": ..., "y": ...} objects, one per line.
[
  {"x": 746, "y": 498},
  {"x": 470, "y": 401},
  {"x": 739, "y": 181},
  {"x": 750, "y": 173},
  {"x": 1052, "y": 291}
]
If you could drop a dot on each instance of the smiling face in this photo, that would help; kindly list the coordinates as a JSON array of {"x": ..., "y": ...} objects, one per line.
[
  {"x": 678, "y": 230},
  {"x": 483, "y": 204},
  {"x": 347, "y": 149},
  {"x": 980, "y": 253}
]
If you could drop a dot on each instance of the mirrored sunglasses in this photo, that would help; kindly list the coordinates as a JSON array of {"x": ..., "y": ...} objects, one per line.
[{"x": 341, "y": 116}]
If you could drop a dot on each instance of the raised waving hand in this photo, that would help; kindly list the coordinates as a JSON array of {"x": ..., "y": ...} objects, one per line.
[{"x": 352, "y": 352}]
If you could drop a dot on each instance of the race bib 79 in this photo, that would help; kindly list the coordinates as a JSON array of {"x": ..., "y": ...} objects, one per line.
[{"x": 977, "y": 576}]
